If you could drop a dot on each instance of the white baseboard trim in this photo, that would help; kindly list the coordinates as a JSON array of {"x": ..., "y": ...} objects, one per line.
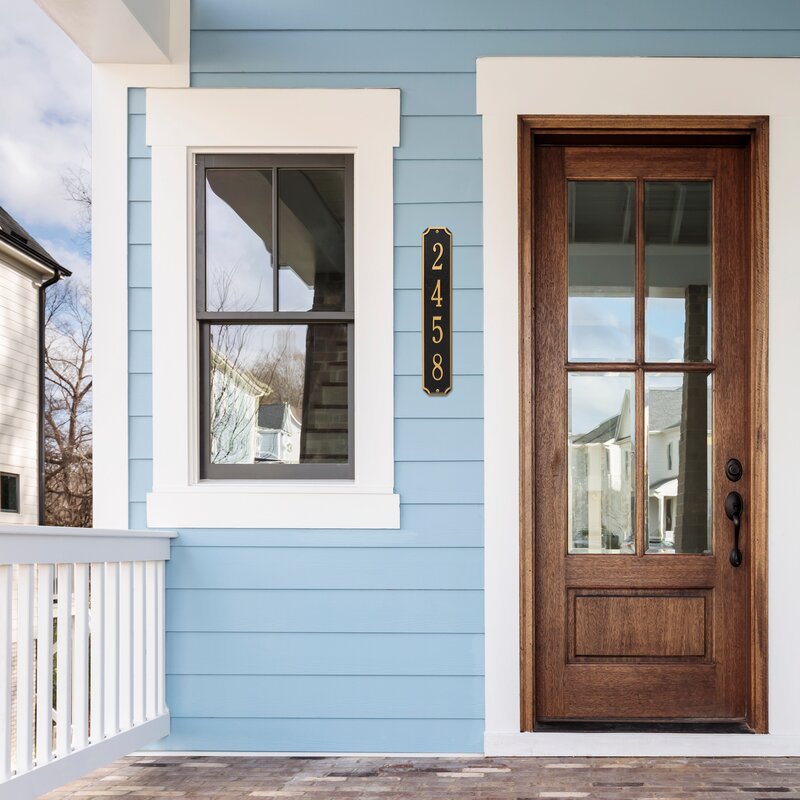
[
  {"x": 640, "y": 744},
  {"x": 161, "y": 754}
]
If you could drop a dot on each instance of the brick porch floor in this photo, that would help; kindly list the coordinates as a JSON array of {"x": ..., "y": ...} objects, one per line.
[{"x": 422, "y": 778}]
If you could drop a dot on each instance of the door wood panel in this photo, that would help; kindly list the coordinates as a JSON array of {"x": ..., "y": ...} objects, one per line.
[
  {"x": 666, "y": 626},
  {"x": 662, "y": 637}
]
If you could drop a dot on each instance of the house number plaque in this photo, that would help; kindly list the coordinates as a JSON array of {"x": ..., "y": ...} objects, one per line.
[{"x": 437, "y": 328}]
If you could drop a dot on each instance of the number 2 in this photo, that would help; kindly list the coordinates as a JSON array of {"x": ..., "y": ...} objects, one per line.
[{"x": 438, "y": 249}]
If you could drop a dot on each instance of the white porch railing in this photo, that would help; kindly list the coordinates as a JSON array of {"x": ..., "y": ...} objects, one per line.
[{"x": 94, "y": 599}]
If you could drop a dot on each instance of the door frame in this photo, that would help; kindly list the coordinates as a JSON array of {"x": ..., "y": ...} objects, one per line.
[{"x": 754, "y": 131}]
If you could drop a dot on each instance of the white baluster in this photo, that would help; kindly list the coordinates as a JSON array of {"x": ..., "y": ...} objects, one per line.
[
  {"x": 125, "y": 645},
  {"x": 80, "y": 673},
  {"x": 44, "y": 664},
  {"x": 64, "y": 662},
  {"x": 139, "y": 655},
  {"x": 24, "y": 752},
  {"x": 151, "y": 640},
  {"x": 97, "y": 640},
  {"x": 6, "y": 574},
  {"x": 162, "y": 662},
  {"x": 112, "y": 650}
]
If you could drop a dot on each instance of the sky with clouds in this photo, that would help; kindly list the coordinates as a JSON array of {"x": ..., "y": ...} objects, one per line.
[{"x": 45, "y": 130}]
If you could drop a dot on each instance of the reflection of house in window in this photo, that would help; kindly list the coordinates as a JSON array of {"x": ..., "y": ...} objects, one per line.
[
  {"x": 235, "y": 398},
  {"x": 278, "y": 434},
  {"x": 244, "y": 428},
  {"x": 601, "y": 490},
  {"x": 663, "y": 435}
]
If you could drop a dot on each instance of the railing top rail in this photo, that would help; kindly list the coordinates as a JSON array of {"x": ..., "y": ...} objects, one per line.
[
  {"x": 56, "y": 530},
  {"x": 36, "y": 544}
]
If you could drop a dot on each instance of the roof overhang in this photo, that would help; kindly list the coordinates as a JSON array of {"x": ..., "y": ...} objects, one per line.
[
  {"x": 118, "y": 31},
  {"x": 30, "y": 261}
]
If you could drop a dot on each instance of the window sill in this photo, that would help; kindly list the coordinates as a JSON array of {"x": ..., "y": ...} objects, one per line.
[{"x": 254, "y": 505}]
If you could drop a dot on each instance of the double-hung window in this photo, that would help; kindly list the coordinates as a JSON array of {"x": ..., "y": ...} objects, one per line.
[
  {"x": 272, "y": 359},
  {"x": 274, "y": 256}
]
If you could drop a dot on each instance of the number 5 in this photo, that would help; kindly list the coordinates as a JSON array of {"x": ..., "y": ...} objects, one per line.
[{"x": 436, "y": 328}]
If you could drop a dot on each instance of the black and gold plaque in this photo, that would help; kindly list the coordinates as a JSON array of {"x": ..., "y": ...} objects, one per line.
[{"x": 437, "y": 325}]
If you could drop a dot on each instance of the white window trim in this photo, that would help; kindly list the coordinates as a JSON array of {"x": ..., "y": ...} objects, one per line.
[
  {"x": 182, "y": 122},
  {"x": 506, "y": 89}
]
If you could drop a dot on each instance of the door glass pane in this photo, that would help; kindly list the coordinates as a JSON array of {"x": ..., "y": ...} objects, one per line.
[
  {"x": 238, "y": 240},
  {"x": 311, "y": 224},
  {"x": 602, "y": 267},
  {"x": 678, "y": 430},
  {"x": 678, "y": 270},
  {"x": 278, "y": 394},
  {"x": 601, "y": 463}
]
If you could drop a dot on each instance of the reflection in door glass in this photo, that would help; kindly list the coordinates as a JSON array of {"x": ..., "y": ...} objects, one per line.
[
  {"x": 601, "y": 463},
  {"x": 602, "y": 266},
  {"x": 678, "y": 431},
  {"x": 678, "y": 270}
]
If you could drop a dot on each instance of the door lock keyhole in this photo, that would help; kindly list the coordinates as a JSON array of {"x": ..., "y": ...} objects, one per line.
[{"x": 733, "y": 469}]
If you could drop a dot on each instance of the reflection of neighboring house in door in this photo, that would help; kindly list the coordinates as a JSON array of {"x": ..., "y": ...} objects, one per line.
[
  {"x": 663, "y": 413},
  {"x": 601, "y": 474},
  {"x": 278, "y": 434}
]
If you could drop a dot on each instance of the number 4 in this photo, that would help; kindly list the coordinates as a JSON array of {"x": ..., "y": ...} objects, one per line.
[{"x": 437, "y": 294}]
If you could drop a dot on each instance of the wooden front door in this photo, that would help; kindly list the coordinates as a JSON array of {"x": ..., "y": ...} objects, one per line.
[{"x": 640, "y": 401}]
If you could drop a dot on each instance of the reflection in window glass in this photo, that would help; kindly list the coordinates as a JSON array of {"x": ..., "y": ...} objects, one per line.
[
  {"x": 601, "y": 452},
  {"x": 678, "y": 270},
  {"x": 311, "y": 224},
  {"x": 678, "y": 431},
  {"x": 602, "y": 259},
  {"x": 238, "y": 230},
  {"x": 278, "y": 394}
]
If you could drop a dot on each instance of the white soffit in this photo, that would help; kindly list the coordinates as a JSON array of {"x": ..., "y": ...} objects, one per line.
[{"x": 116, "y": 31}]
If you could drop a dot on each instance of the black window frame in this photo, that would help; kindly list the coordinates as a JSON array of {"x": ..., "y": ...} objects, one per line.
[
  {"x": 9, "y": 510},
  {"x": 205, "y": 319}
]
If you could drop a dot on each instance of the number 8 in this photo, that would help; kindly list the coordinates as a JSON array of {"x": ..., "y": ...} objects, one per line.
[{"x": 437, "y": 367}]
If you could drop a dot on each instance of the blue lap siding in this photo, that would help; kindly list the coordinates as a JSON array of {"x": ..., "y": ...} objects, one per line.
[{"x": 373, "y": 640}]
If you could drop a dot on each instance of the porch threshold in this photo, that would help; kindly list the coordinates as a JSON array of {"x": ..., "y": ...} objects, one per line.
[{"x": 634, "y": 745}]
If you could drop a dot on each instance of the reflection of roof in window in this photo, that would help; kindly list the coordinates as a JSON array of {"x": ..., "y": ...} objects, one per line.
[
  {"x": 604, "y": 432},
  {"x": 664, "y": 408},
  {"x": 243, "y": 376},
  {"x": 272, "y": 416},
  {"x": 276, "y": 416}
]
